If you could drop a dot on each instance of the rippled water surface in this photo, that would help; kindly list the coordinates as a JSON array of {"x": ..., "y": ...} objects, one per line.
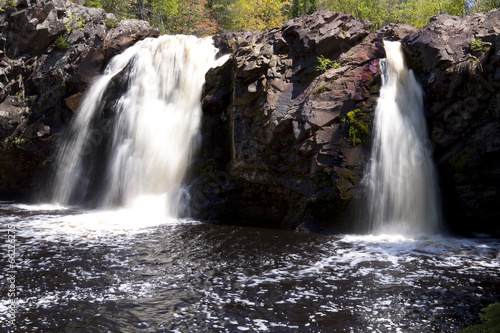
[{"x": 79, "y": 271}]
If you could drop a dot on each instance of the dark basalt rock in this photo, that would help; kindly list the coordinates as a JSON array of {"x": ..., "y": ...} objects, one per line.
[{"x": 277, "y": 150}]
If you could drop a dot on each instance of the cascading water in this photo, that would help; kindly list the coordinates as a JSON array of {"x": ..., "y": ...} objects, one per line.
[
  {"x": 139, "y": 156},
  {"x": 400, "y": 180},
  {"x": 72, "y": 270}
]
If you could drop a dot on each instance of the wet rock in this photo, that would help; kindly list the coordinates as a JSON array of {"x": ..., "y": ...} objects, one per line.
[
  {"x": 73, "y": 101},
  {"x": 125, "y": 34},
  {"x": 11, "y": 115}
]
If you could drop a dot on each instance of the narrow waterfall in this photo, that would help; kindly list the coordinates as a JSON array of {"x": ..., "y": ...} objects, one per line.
[
  {"x": 138, "y": 155},
  {"x": 400, "y": 179}
]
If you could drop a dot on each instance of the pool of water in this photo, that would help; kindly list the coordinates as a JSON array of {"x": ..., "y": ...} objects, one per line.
[{"x": 82, "y": 271}]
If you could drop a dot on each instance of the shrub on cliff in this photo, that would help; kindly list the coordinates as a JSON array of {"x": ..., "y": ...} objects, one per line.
[
  {"x": 491, "y": 319},
  {"x": 93, "y": 4},
  {"x": 61, "y": 43}
]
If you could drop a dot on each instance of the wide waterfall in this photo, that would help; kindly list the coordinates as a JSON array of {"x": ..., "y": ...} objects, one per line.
[
  {"x": 400, "y": 180},
  {"x": 140, "y": 153}
]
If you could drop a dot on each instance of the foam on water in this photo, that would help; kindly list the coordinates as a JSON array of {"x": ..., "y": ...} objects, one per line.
[
  {"x": 56, "y": 222},
  {"x": 40, "y": 207},
  {"x": 229, "y": 279}
]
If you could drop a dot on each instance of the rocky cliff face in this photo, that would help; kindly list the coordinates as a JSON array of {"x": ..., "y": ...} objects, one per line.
[
  {"x": 286, "y": 132},
  {"x": 287, "y": 120},
  {"x": 285, "y": 143},
  {"x": 50, "y": 50}
]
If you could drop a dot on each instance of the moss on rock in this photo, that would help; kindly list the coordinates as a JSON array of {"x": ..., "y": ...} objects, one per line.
[{"x": 359, "y": 124}]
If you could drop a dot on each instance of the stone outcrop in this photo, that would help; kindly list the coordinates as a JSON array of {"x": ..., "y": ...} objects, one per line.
[
  {"x": 284, "y": 142},
  {"x": 458, "y": 62},
  {"x": 50, "y": 50}
]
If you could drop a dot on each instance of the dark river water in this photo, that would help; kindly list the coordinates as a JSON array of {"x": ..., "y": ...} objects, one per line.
[{"x": 80, "y": 271}]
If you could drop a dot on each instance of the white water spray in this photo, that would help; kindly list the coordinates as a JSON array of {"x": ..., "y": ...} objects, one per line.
[
  {"x": 150, "y": 139},
  {"x": 400, "y": 179}
]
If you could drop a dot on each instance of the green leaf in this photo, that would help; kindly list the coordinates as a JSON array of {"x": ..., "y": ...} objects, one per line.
[{"x": 491, "y": 318}]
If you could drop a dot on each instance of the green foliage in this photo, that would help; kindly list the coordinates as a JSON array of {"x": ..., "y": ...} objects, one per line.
[
  {"x": 112, "y": 23},
  {"x": 48, "y": 160},
  {"x": 75, "y": 23},
  {"x": 491, "y": 318},
  {"x": 325, "y": 64},
  {"x": 302, "y": 7},
  {"x": 490, "y": 4},
  {"x": 413, "y": 12},
  {"x": 167, "y": 15},
  {"x": 321, "y": 89},
  {"x": 224, "y": 14},
  {"x": 207, "y": 17},
  {"x": 124, "y": 9},
  {"x": 477, "y": 45},
  {"x": 61, "y": 43},
  {"x": 7, "y": 4},
  {"x": 358, "y": 126},
  {"x": 248, "y": 15},
  {"x": 14, "y": 142},
  {"x": 93, "y": 3},
  {"x": 19, "y": 141},
  {"x": 175, "y": 16},
  {"x": 262, "y": 14},
  {"x": 30, "y": 100}
]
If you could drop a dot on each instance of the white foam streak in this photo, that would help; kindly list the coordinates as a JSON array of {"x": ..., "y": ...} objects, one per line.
[{"x": 57, "y": 223}]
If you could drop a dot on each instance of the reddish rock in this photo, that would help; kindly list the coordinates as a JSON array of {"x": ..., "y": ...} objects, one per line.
[{"x": 73, "y": 101}]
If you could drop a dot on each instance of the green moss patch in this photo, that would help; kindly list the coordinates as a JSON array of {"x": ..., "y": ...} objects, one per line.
[{"x": 359, "y": 126}]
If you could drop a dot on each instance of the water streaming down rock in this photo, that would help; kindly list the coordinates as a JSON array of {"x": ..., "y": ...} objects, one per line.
[
  {"x": 400, "y": 179},
  {"x": 140, "y": 153}
]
